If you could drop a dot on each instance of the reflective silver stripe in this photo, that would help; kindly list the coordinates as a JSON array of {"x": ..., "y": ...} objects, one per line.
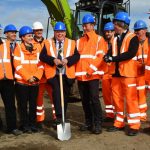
[
  {"x": 120, "y": 113},
  {"x": 109, "y": 111},
  {"x": 93, "y": 67},
  {"x": 140, "y": 56},
  {"x": 100, "y": 52},
  {"x": 142, "y": 114},
  {"x": 77, "y": 43},
  {"x": 109, "y": 106},
  {"x": 86, "y": 56},
  {"x": 84, "y": 73},
  {"x": 134, "y": 58},
  {"x": 134, "y": 115},
  {"x": 131, "y": 85},
  {"x": 53, "y": 111},
  {"x": 148, "y": 87},
  {"x": 99, "y": 38},
  {"x": 147, "y": 67},
  {"x": 51, "y": 48},
  {"x": 143, "y": 106},
  {"x": 18, "y": 67},
  {"x": 134, "y": 121},
  {"x": 17, "y": 76},
  {"x": 39, "y": 107},
  {"x": 5, "y": 60},
  {"x": 68, "y": 48},
  {"x": 119, "y": 119},
  {"x": 5, "y": 50},
  {"x": 42, "y": 67},
  {"x": 141, "y": 87},
  {"x": 40, "y": 113},
  {"x": 17, "y": 58},
  {"x": 114, "y": 47}
]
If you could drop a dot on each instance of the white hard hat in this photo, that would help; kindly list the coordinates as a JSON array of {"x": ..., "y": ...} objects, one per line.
[{"x": 37, "y": 25}]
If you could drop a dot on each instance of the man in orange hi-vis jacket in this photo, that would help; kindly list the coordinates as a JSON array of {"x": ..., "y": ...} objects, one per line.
[
  {"x": 124, "y": 72},
  {"x": 28, "y": 72},
  {"x": 89, "y": 70},
  {"x": 140, "y": 29},
  {"x": 107, "y": 78},
  {"x": 39, "y": 41}
]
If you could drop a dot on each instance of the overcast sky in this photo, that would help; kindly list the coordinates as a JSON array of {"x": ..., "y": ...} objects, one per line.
[{"x": 25, "y": 12}]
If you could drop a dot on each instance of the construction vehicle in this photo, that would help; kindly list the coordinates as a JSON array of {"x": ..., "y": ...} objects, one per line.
[{"x": 103, "y": 10}]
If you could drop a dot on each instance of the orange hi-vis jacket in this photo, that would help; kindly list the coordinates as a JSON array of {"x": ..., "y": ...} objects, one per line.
[
  {"x": 147, "y": 67},
  {"x": 127, "y": 68},
  {"x": 40, "y": 47},
  {"x": 92, "y": 48},
  {"x": 68, "y": 50},
  {"x": 142, "y": 56},
  {"x": 5, "y": 61},
  {"x": 27, "y": 64}
]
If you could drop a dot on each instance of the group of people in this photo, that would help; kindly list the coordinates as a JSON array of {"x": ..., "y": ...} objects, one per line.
[{"x": 119, "y": 59}]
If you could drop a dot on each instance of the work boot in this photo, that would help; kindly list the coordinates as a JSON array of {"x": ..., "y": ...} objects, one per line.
[
  {"x": 34, "y": 129},
  {"x": 25, "y": 129},
  {"x": 86, "y": 127},
  {"x": 108, "y": 119},
  {"x": 132, "y": 132},
  {"x": 40, "y": 125},
  {"x": 114, "y": 129},
  {"x": 15, "y": 132},
  {"x": 97, "y": 129},
  {"x": 1, "y": 124},
  {"x": 56, "y": 122}
]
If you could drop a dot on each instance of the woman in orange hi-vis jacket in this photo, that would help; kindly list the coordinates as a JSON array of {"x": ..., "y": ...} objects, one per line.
[
  {"x": 89, "y": 71},
  {"x": 123, "y": 68},
  {"x": 28, "y": 72},
  {"x": 140, "y": 29},
  {"x": 38, "y": 41},
  {"x": 107, "y": 78}
]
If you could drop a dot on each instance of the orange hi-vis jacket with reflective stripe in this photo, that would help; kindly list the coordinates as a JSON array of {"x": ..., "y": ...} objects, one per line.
[
  {"x": 127, "y": 68},
  {"x": 142, "y": 56},
  {"x": 40, "y": 47},
  {"x": 5, "y": 61},
  {"x": 27, "y": 64},
  {"x": 92, "y": 48},
  {"x": 68, "y": 50},
  {"x": 147, "y": 67}
]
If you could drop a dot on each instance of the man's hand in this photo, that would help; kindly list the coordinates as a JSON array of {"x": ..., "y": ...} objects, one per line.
[
  {"x": 64, "y": 62},
  {"x": 57, "y": 62},
  {"x": 107, "y": 58}
]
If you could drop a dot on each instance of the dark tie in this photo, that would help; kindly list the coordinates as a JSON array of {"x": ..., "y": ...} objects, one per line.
[
  {"x": 11, "y": 47},
  {"x": 11, "y": 56},
  {"x": 59, "y": 51}
]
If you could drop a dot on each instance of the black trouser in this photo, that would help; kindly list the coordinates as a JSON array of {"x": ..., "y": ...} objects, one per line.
[
  {"x": 55, "y": 84},
  {"x": 26, "y": 97},
  {"x": 89, "y": 91},
  {"x": 8, "y": 96}
]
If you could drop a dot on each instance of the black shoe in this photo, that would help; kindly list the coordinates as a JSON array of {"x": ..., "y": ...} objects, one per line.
[
  {"x": 114, "y": 129},
  {"x": 86, "y": 127},
  {"x": 132, "y": 132},
  {"x": 25, "y": 129},
  {"x": 146, "y": 130},
  {"x": 108, "y": 119},
  {"x": 97, "y": 129},
  {"x": 40, "y": 125},
  {"x": 34, "y": 129},
  {"x": 15, "y": 132},
  {"x": 56, "y": 122},
  {"x": 1, "y": 124}
]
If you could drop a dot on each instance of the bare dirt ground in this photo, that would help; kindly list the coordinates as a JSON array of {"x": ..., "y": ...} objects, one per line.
[{"x": 47, "y": 140}]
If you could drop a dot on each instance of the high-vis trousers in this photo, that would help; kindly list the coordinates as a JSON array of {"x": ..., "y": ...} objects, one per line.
[
  {"x": 125, "y": 96},
  {"x": 40, "y": 113},
  {"x": 142, "y": 97},
  {"x": 107, "y": 96}
]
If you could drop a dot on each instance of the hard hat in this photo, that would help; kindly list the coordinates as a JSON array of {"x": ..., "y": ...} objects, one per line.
[
  {"x": 88, "y": 19},
  {"x": 140, "y": 24},
  {"x": 10, "y": 28},
  {"x": 60, "y": 26},
  {"x": 25, "y": 30},
  {"x": 123, "y": 16},
  {"x": 1, "y": 27},
  {"x": 109, "y": 26},
  {"x": 37, "y": 25}
]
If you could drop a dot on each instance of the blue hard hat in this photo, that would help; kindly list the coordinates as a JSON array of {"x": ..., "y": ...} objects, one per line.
[
  {"x": 25, "y": 30},
  {"x": 1, "y": 27},
  {"x": 10, "y": 28},
  {"x": 140, "y": 24},
  {"x": 123, "y": 16},
  {"x": 109, "y": 26},
  {"x": 60, "y": 26},
  {"x": 88, "y": 19}
]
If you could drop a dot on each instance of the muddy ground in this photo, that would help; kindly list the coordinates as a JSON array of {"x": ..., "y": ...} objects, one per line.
[{"x": 46, "y": 140}]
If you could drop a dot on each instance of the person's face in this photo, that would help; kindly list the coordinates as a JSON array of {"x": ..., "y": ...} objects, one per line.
[
  {"x": 11, "y": 36},
  {"x": 38, "y": 33},
  {"x": 108, "y": 34},
  {"x": 141, "y": 34},
  {"x": 59, "y": 35},
  {"x": 118, "y": 29},
  {"x": 28, "y": 38},
  {"x": 88, "y": 27}
]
